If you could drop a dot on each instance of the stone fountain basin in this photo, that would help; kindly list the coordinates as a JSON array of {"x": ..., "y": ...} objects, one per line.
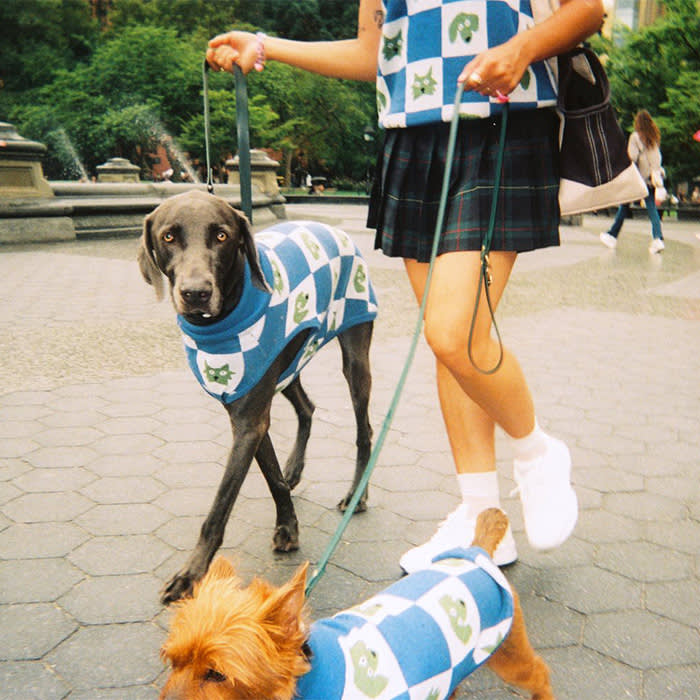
[{"x": 108, "y": 209}]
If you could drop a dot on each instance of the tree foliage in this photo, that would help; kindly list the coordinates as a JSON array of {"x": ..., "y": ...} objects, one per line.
[
  {"x": 95, "y": 79},
  {"x": 658, "y": 69}
]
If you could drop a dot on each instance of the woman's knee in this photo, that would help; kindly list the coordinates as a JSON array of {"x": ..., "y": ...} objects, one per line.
[{"x": 456, "y": 348}]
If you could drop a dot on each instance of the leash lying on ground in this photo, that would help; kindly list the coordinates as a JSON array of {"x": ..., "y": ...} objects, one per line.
[{"x": 484, "y": 275}]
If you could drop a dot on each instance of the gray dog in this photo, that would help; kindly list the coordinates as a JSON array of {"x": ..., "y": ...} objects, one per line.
[{"x": 252, "y": 313}]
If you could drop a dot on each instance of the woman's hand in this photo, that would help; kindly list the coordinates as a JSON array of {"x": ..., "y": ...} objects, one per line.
[
  {"x": 239, "y": 48},
  {"x": 495, "y": 71}
]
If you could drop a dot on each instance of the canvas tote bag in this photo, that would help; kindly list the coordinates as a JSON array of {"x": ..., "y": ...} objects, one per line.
[{"x": 595, "y": 170}]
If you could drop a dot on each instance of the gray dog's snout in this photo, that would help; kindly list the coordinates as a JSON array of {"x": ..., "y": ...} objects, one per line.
[
  {"x": 196, "y": 290},
  {"x": 194, "y": 294}
]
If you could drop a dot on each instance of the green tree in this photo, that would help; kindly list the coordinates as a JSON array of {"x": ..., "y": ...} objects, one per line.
[
  {"x": 38, "y": 38},
  {"x": 136, "y": 90},
  {"x": 657, "y": 68}
]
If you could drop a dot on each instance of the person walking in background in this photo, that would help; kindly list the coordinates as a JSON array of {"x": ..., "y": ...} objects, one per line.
[
  {"x": 418, "y": 53},
  {"x": 644, "y": 152}
]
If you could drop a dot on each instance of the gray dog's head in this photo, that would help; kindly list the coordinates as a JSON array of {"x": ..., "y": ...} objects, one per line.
[{"x": 201, "y": 244}]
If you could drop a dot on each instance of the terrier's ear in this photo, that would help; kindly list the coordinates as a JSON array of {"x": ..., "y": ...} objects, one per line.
[{"x": 287, "y": 606}]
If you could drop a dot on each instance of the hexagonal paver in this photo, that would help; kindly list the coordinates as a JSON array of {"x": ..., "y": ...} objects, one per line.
[
  {"x": 39, "y": 540},
  {"x": 125, "y": 465},
  {"x": 677, "y": 682},
  {"x": 131, "y": 554},
  {"x": 136, "y": 646},
  {"x": 31, "y": 679},
  {"x": 46, "y": 507},
  {"x": 123, "y": 519},
  {"x": 53, "y": 480},
  {"x": 643, "y": 561},
  {"x": 61, "y": 457},
  {"x": 641, "y": 639},
  {"x": 16, "y": 447},
  {"x": 67, "y": 437},
  {"x": 107, "y": 599},
  {"x": 36, "y": 580},
  {"x": 644, "y": 506},
  {"x": 677, "y": 600},
  {"x": 126, "y": 444},
  {"x": 589, "y": 589},
  {"x": 24, "y": 640},
  {"x": 125, "y": 489},
  {"x": 581, "y": 673}
]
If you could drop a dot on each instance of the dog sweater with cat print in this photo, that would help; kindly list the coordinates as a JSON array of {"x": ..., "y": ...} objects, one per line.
[
  {"x": 417, "y": 639},
  {"x": 319, "y": 282}
]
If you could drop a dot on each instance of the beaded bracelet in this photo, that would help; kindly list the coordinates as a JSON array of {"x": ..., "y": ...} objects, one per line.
[{"x": 260, "y": 61}]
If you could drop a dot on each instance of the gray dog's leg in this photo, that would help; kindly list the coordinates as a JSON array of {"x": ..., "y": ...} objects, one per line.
[{"x": 355, "y": 343}]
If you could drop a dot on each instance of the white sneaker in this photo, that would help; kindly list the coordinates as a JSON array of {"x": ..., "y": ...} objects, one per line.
[
  {"x": 550, "y": 507},
  {"x": 608, "y": 240},
  {"x": 457, "y": 530},
  {"x": 657, "y": 245}
]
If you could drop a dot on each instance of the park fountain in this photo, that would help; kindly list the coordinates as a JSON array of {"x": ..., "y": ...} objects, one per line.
[{"x": 33, "y": 209}]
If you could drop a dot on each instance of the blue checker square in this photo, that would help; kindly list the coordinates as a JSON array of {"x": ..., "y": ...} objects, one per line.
[
  {"x": 417, "y": 667},
  {"x": 422, "y": 44}
]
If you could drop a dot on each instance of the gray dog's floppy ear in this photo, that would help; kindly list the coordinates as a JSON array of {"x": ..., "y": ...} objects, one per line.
[
  {"x": 147, "y": 261},
  {"x": 251, "y": 252}
]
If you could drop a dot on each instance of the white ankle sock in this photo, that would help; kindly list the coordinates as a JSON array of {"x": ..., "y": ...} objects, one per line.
[
  {"x": 479, "y": 490},
  {"x": 531, "y": 446}
]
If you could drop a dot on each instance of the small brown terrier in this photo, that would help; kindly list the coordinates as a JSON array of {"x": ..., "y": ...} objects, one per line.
[{"x": 228, "y": 642}]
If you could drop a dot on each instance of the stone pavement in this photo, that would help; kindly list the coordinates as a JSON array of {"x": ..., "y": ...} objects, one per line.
[{"x": 110, "y": 455}]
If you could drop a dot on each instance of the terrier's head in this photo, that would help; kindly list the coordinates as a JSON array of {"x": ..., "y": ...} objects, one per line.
[{"x": 229, "y": 642}]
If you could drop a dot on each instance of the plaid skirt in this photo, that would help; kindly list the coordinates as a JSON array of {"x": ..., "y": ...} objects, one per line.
[{"x": 406, "y": 193}]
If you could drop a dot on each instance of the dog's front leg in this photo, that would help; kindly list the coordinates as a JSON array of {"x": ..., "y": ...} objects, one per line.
[
  {"x": 286, "y": 537},
  {"x": 247, "y": 438}
]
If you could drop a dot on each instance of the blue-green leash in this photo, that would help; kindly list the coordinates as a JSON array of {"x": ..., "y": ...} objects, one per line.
[
  {"x": 484, "y": 283},
  {"x": 243, "y": 134}
]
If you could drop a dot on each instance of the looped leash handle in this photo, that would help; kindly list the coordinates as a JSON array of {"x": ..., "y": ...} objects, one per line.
[
  {"x": 485, "y": 271},
  {"x": 207, "y": 124},
  {"x": 242, "y": 132},
  {"x": 242, "y": 122}
]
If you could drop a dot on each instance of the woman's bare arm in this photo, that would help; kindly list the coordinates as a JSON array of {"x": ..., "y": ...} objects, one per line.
[{"x": 353, "y": 59}]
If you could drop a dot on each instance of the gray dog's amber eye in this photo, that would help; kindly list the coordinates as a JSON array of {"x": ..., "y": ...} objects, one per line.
[
  {"x": 168, "y": 237},
  {"x": 221, "y": 236}
]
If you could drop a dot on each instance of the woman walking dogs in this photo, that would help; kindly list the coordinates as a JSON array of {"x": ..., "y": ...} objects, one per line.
[{"x": 417, "y": 52}]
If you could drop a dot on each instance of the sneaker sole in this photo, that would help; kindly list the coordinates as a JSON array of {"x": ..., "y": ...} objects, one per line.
[{"x": 506, "y": 553}]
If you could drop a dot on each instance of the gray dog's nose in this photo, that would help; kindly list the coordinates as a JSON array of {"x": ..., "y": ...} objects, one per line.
[{"x": 196, "y": 294}]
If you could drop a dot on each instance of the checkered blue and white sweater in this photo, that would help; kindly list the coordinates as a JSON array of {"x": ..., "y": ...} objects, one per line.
[
  {"x": 417, "y": 639},
  {"x": 319, "y": 282},
  {"x": 426, "y": 44}
]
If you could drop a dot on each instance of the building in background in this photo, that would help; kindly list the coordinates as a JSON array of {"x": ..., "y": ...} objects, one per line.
[{"x": 633, "y": 14}]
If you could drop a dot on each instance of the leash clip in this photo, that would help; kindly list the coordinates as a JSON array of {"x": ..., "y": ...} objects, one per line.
[{"x": 486, "y": 267}]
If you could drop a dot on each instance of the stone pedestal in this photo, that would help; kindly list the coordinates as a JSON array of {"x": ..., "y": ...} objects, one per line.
[
  {"x": 28, "y": 210},
  {"x": 263, "y": 172},
  {"x": 118, "y": 170},
  {"x": 21, "y": 174}
]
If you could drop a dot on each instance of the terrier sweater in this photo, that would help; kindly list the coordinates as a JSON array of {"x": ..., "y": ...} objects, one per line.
[
  {"x": 417, "y": 639},
  {"x": 319, "y": 282}
]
